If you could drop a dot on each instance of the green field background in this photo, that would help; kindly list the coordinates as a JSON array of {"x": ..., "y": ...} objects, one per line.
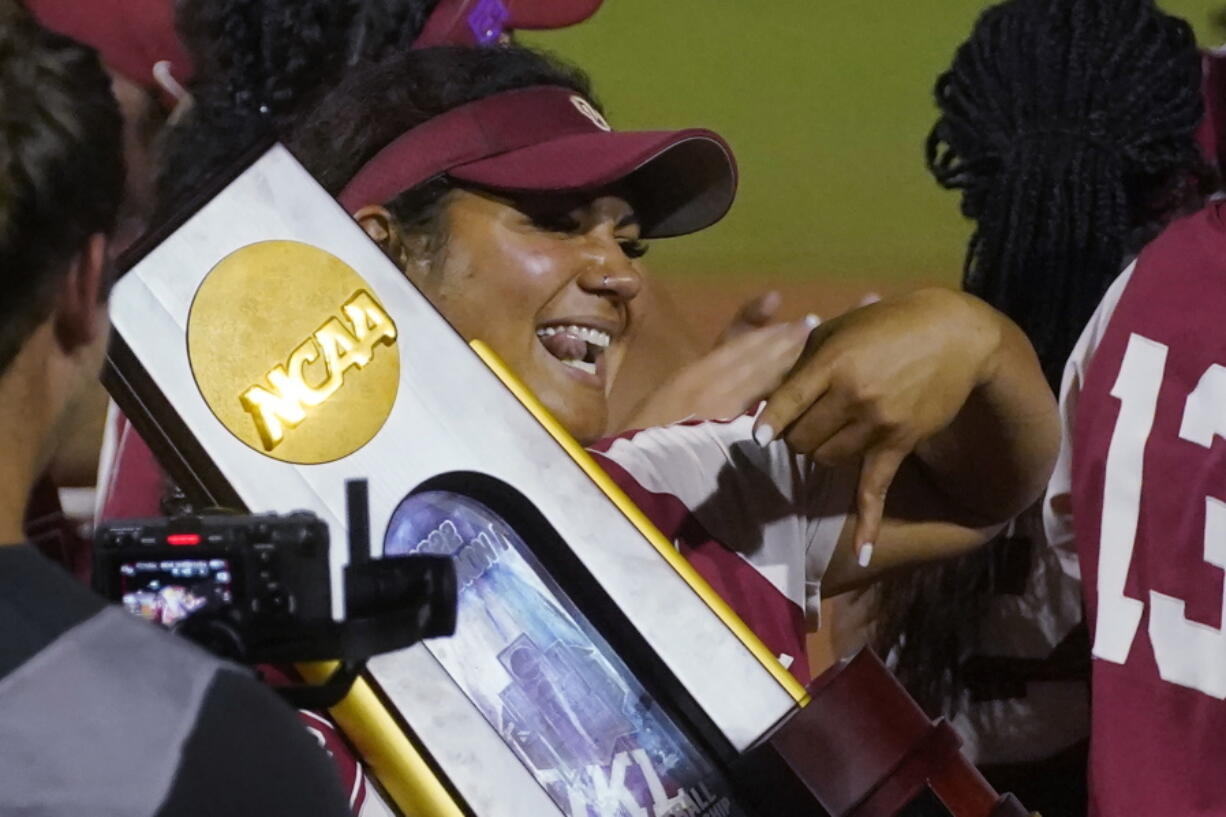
[{"x": 826, "y": 103}]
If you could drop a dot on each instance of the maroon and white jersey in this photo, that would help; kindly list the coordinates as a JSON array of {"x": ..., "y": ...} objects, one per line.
[
  {"x": 759, "y": 523},
  {"x": 1146, "y": 393}
]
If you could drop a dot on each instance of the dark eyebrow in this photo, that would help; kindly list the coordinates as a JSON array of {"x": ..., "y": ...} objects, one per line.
[{"x": 631, "y": 219}]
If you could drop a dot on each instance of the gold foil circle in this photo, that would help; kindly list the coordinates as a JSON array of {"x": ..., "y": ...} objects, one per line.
[{"x": 292, "y": 352}]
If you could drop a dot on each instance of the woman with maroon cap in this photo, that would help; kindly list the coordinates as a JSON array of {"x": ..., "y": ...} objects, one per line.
[
  {"x": 252, "y": 67},
  {"x": 493, "y": 179},
  {"x": 258, "y": 66},
  {"x": 284, "y": 54}
]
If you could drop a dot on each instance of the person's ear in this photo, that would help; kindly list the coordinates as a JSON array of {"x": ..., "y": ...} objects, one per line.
[
  {"x": 80, "y": 304},
  {"x": 385, "y": 230}
]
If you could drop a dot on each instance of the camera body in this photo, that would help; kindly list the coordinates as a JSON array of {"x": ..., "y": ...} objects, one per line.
[
  {"x": 257, "y": 573},
  {"x": 257, "y": 589}
]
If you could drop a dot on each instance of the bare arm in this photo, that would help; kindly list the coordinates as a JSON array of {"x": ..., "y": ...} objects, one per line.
[
  {"x": 748, "y": 362},
  {"x": 942, "y": 401}
]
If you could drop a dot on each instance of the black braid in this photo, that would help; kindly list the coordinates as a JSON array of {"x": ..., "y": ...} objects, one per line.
[
  {"x": 384, "y": 27},
  {"x": 260, "y": 64},
  {"x": 1068, "y": 126}
]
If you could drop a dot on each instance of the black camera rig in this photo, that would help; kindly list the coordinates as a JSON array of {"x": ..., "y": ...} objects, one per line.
[{"x": 257, "y": 589}]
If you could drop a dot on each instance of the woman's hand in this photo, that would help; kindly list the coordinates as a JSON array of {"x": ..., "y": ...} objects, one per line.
[
  {"x": 748, "y": 363},
  {"x": 754, "y": 314},
  {"x": 875, "y": 384}
]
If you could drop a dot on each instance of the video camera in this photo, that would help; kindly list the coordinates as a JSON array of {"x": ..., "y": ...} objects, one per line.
[{"x": 256, "y": 589}]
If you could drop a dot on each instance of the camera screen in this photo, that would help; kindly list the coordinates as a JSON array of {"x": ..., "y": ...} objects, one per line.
[{"x": 167, "y": 591}]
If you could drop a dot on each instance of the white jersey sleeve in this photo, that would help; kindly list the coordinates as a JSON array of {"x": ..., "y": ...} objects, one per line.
[
  {"x": 1057, "y": 503},
  {"x": 780, "y": 512}
]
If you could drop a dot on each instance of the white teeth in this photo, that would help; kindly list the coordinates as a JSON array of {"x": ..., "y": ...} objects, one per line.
[
  {"x": 585, "y": 333},
  {"x": 581, "y": 365}
]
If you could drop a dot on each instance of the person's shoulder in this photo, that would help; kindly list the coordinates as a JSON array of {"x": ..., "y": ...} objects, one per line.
[
  {"x": 649, "y": 466},
  {"x": 689, "y": 461},
  {"x": 1193, "y": 242},
  {"x": 691, "y": 433},
  {"x": 100, "y": 715},
  {"x": 1174, "y": 290},
  {"x": 248, "y": 754}
]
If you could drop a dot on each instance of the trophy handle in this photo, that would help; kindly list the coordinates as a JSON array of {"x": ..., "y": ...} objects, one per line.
[{"x": 863, "y": 748}]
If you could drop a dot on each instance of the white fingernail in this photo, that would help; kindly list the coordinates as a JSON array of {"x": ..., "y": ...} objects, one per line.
[
  {"x": 866, "y": 554},
  {"x": 812, "y": 321},
  {"x": 763, "y": 435}
]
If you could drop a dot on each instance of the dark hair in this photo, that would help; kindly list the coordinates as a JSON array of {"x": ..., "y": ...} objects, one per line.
[
  {"x": 370, "y": 105},
  {"x": 1069, "y": 126},
  {"x": 261, "y": 63},
  {"x": 61, "y": 166}
]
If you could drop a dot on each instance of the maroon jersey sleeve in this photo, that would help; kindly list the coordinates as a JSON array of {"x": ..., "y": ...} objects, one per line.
[
  {"x": 1149, "y": 511},
  {"x": 130, "y": 481}
]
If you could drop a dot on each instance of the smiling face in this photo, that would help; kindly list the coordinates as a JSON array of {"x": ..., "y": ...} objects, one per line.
[{"x": 549, "y": 283}]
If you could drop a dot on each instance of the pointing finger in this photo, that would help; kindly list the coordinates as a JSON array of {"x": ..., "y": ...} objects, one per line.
[
  {"x": 877, "y": 472},
  {"x": 801, "y": 388},
  {"x": 799, "y": 392}
]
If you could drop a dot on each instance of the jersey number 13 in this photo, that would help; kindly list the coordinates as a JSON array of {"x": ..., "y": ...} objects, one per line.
[{"x": 1188, "y": 653}]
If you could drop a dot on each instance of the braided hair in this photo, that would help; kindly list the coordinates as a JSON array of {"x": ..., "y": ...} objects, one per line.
[
  {"x": 260, "y": 64},
  {"x": 1068, "y": 126}
]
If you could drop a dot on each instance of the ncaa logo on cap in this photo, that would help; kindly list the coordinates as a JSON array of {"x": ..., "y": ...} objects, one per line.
[{"x": 586, "y": 108}]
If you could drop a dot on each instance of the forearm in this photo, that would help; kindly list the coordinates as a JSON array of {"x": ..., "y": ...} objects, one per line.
[{"x": 995, "y": 458}]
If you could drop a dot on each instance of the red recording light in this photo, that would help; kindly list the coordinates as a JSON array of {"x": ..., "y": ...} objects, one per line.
[{"x": 181, "y": 539}]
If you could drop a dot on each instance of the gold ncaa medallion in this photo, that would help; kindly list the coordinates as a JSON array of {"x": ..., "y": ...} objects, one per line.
[{"x": 292, "y": 352}]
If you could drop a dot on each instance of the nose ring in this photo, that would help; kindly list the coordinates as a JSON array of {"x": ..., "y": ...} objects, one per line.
[{"x": 604, "y": 282}]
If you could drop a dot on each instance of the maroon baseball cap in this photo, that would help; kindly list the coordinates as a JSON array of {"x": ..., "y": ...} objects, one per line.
[
  {"x": 135, "y": 38},
  {"x": 482, "y": 22},
  {"x": 549, "y": 139}
]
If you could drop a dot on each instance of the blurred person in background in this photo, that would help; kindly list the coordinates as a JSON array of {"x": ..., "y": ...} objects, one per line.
[
  {"x": 1212, "y": 132},
  {"x": 136, "y": 42},
  {"x": 1134, "y": 511},
  {"x": 99, "y": 712},
  {"x": 148, "y": 67},
  {"x": 1069, "y": 128}
]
